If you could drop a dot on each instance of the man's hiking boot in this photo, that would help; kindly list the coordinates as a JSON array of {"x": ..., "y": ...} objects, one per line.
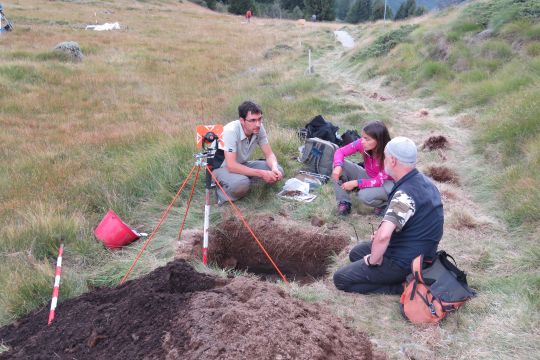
[{"x": 344, "y": 208}]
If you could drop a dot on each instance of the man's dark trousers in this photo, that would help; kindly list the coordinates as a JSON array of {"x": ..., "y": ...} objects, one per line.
[{"x": 360, "y": 278}]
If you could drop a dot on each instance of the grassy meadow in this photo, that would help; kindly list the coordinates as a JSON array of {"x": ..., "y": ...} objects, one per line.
[{"x": 117, "y": 130}]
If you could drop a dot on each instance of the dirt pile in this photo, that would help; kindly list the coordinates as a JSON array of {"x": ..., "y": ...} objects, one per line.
[
  {"x": 177, "y": 313},
  {"x": 442, "y": 174},
  {"x": 435, "y": 142}
]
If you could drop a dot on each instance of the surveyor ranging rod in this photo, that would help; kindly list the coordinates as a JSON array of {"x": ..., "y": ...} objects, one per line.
[
  {"x": 56, "y": 287},
  {"x": 206, "y": 226},
  {"x": 202, "y": 161}
]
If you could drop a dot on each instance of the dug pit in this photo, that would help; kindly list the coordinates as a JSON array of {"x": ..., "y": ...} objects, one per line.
[{"x": 302, "y": 252}]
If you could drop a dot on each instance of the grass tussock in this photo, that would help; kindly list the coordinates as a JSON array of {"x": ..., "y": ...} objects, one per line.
[
  {"x": 385, "y": 42},
  {"x": 463, "y": 219},
  {"x": 512, "y": 130}
]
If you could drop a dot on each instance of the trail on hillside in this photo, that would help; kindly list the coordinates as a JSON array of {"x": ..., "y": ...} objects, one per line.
[
  {"x": 471, "y": 234},
  {"x": 414, "y": 118}
]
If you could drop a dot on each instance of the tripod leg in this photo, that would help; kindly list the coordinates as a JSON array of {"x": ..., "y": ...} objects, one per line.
[
  {"x": 158, "y": 225},
  {"x": 188, "y": 204}
]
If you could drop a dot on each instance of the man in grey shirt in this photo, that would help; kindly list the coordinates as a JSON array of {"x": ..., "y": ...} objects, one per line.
[{"x": 240, "y": 137}]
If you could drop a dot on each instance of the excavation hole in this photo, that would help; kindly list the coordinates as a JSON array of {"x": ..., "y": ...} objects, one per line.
[{"x": 301, "y": 251}]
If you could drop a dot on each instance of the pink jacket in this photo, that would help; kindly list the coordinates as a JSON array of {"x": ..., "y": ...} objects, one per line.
[{"x": 371, "y": 165}]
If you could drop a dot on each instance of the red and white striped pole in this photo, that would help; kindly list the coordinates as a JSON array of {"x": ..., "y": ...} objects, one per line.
[{"x": 56, "y": 288}]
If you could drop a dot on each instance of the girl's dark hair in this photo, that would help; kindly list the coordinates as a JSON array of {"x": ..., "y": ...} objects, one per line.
[{"x": 378, "y": 131}]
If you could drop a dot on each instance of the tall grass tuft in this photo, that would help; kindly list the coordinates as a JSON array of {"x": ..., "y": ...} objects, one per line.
[
  {"x": 27, "y": 285},
  {"x": 385, "y": 42},
  {"x": 40, "y": 232},
  {"x": 20, "y": 74},
  {"x": 513, "y": 130}
]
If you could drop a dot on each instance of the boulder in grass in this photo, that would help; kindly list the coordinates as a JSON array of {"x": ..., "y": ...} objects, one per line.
[{"x": 71, "y": 49}]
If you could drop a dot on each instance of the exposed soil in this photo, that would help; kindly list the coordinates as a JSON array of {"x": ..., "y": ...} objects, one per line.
[
  {"x": 442, "y": 174},
  {"x": 435, "y": 142},
  {"x": 177, "y": 313},
  {"x": 302, "y": 251}
]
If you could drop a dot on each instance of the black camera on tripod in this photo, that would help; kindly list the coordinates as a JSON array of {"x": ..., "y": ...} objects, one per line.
[{"x": 208, "y": 139}]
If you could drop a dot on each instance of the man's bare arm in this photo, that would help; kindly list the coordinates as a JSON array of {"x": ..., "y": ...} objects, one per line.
[{"x": 381, "y": 239}]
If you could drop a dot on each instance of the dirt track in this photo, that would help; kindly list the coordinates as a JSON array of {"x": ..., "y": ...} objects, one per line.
[{"x": 177, "y": 313}]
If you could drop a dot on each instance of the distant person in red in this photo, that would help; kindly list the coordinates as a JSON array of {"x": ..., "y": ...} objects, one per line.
[{"x": 249, "y": 14}]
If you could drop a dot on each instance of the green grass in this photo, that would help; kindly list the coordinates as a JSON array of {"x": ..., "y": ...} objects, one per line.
[
  {"x": 533, "y": 49},
  {"x": 30, "y": 285},
  {"x": 116, "y": 131},
  {"x": 40, "y": 232},
  {"x": 385, "y": 42},
  {"x": 497, "y": 49},
  {"x": 435, "y": 69},
  {"x": 19, "y": 74}
]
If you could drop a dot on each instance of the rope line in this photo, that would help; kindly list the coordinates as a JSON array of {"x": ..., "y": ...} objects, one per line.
[
  {"x": 158, "y": 225},
  {"x": 189, "y": 202},
  {"x": 241, "y": 217}
]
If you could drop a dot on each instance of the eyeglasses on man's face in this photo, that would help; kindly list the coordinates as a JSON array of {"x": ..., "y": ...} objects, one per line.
[{"x": 254, "y": 120}]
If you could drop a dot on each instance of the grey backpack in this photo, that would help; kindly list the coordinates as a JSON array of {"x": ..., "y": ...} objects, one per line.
[{"x": 318, "y": 156}]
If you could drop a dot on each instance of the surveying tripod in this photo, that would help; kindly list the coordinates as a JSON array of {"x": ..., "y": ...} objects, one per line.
[
  {"x": 202, "y": 160},
  {"x": 210, "y": 158}
]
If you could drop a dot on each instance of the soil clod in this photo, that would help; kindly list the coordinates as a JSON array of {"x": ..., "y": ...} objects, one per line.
[
  {"x": 442, "y": 174},
  {"x": 435, "y": 142}
]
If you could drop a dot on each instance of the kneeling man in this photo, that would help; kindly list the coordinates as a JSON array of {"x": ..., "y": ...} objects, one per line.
[
  {"x": 412, "y": 225},
  {"x": 240, "y": 138}
]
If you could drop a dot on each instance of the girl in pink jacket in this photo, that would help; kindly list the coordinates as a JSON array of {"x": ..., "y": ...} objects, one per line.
[{"x": 371, "y": 181}]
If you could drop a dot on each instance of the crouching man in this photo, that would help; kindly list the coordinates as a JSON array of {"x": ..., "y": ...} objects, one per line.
[
  {"x": 240, "y": 137},
  {"x": 412, "y": 225}
]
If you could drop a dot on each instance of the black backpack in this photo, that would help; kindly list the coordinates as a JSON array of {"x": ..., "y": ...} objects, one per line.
[
  {"x": 322, "y": 129},
  {"x": 349, "y": 136}
]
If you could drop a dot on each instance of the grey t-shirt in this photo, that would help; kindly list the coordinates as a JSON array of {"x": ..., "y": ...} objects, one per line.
[{"x": 236, "y": 141}]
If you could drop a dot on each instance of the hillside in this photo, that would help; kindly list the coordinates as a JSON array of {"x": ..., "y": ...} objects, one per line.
[
  {"x": 428, "y": 4},
  {"x": 117, "y": 131}
]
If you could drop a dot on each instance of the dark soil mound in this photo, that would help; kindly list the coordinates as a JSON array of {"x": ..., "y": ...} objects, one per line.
[
  {"x": 442, "y": 174},
  {"x": 177, "y": 313},
  {"x": 435, "y": 142}
]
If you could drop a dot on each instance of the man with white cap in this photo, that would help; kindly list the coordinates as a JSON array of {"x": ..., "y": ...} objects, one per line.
[{"x": 412, "y": 225}]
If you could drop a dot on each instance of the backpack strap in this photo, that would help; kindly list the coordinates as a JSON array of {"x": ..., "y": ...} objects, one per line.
[
  {"x": 320, "y": 149},
  {"x": 416, "y": 267}
]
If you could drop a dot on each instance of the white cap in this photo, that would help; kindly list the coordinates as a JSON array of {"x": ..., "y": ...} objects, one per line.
[{"x": 403, "y": 149}]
